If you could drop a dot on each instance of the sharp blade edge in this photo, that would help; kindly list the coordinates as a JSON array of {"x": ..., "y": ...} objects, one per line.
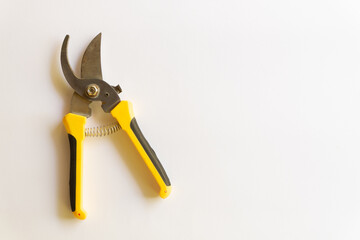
[{"x": 91, "y": 61}]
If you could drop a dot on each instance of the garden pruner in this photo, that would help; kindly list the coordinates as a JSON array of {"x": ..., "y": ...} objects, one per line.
[{"x": 91, "y": 87}]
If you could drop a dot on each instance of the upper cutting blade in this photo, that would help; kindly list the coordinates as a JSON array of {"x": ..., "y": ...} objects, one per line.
[
  {"x": 91, "y": 77},
  {"x": 91, "y": 61}
]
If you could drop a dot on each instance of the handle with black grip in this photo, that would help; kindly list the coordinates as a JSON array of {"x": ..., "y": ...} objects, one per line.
[
  {"x": 123, "y": 113},
  {"x": 75, "y": 127}
]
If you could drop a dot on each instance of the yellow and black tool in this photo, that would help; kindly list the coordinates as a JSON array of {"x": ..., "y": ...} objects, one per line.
[{"x": 91, "y": 87}]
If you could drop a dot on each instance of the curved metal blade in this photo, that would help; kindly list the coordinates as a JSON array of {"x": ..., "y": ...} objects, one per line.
[
  {"x": 91, "y": 61},
  {"x": 68, "y": 72},
  {"x": 108, "y": 95}
]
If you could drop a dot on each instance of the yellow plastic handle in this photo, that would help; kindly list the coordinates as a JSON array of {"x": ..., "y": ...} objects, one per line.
[
  {"x": 75, "y": 127},
  {"x": 124, "y": 114}
]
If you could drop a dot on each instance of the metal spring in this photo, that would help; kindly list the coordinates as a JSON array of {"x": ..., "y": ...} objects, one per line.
[{"x": 101, "y": 131}]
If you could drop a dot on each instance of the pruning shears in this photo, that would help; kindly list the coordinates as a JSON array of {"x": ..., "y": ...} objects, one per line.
[{"x": 88, "y": 88}]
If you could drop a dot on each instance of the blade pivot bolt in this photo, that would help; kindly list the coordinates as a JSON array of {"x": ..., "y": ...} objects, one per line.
[{"x": 92, "y": 90}]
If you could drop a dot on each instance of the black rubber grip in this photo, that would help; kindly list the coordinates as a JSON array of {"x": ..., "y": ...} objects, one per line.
[
  {"x": 72, "y": 181},
  {"x": 149, "y": 151}
]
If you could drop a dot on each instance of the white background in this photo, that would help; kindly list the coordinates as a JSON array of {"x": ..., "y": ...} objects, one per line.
[{"x": 251, "y": 106}]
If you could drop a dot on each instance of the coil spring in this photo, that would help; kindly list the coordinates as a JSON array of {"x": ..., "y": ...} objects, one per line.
[{"x": 101, "y": 131}]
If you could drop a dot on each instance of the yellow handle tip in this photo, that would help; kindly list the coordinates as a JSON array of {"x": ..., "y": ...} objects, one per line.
[
  {"x": 165, "y": 192},
  {"x": 80, "y": 214}
]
